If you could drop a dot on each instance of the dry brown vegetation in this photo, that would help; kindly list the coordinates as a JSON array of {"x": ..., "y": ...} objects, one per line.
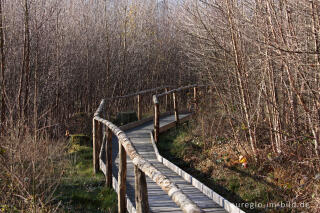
[
  {"x": 61, "y": 57},
  {"x": 261, "y": 57},
  {"x": 292, "y": 176},
  {"x": 31, "y": 170}
]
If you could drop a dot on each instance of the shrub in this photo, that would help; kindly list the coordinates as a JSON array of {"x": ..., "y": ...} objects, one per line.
[
  {"x": 125, "y": 118},
  {"x": 31, "y": 169}
]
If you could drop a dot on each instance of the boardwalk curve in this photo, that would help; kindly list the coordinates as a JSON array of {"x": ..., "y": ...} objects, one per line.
[{"x": 143, "y": 179}]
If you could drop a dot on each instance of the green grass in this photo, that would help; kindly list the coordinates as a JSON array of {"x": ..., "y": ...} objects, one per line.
[
  {"x": 80, "y": 190},
  {"x": 80, "y": 139},
  {"x": 235, "y": 183},
  {"x": 173, "y": 146}
]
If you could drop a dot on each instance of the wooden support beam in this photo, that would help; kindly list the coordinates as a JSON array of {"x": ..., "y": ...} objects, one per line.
[
  {"x": 97, "y": 141},
  {"x": 141, "y": 191},
  {"x": 94, "y": 141},
  {"x": 108, "y": 157},
  {"x": 139, "y": 107},
  {"x": 195, "y": 90},
  {"x": 167, "y": 100},
  {"x": 156, "y": 122},
  {"x": 122, "y": 180},
  {"x": 175, "y": 107}
]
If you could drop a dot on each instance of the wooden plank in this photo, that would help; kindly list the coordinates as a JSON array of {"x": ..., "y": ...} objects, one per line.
[
  {"x": 139, "y": 123},
  {"x": 186, "y": 118},
  {"x": 167, "y": 127},
  {"x": 141, "y": 191},
  {"x": 202, "y": 201}
]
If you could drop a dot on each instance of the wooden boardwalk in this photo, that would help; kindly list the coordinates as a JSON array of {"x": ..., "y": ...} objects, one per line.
[{"x": 159, "y": 201}]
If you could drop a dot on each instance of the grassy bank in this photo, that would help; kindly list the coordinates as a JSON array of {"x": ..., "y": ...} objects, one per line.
[
  {"x": 218, "y": 170},
  {"x": 80, "y": 190}
]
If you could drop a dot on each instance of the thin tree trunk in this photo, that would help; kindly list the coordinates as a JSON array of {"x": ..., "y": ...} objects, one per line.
[
  {"x": 240, "y": 72},
  {"x": 316, "y": 107},
  {"x": 27, "y": 60},
  {"x": 3, "y": 68},
  {"x": 25, "y": 65}
]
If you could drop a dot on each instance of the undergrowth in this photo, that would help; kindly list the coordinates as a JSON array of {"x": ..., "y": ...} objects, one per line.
[
  {"x": 31, "y": 170},
  {"x": 80, "y": 190},
  {"x": 217, "y": 167}
]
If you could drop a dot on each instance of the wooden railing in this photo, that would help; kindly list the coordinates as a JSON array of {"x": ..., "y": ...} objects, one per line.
[
  {"x": 141, "y": 167},
  {"x": 174, "y": 93},
  {"x": 138, "y": 96}
]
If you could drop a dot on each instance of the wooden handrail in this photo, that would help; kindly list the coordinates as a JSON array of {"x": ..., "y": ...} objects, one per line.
[
  {"x": 175, "y": 90},
  {"x": 141, "y": 166},
  {"x": 139, "y": 93},
  {"x": 180, "y": 89},
  {"x": 174, "y": 93}
]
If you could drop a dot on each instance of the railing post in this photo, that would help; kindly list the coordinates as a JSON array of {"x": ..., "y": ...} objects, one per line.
[
  {"x": 141, "y": 191},
  {"x": 195, "y": 97},
  {"x": 167, "y": 100},
  {"x": 97, "y": 139},
  {"x": 175, "y": 107},
  {"x": 156, "y": 118},
  {"x": 94, "y": 141},
  {"x": 122, "y": 179},
  {"x": 108, "y": 157},
  {"x": 139, "y": 107}
]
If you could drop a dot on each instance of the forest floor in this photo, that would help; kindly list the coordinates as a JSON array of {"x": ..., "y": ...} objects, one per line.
[
  {"x": 213, "y": 167},
  {"x": 80, "y": 190}
]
